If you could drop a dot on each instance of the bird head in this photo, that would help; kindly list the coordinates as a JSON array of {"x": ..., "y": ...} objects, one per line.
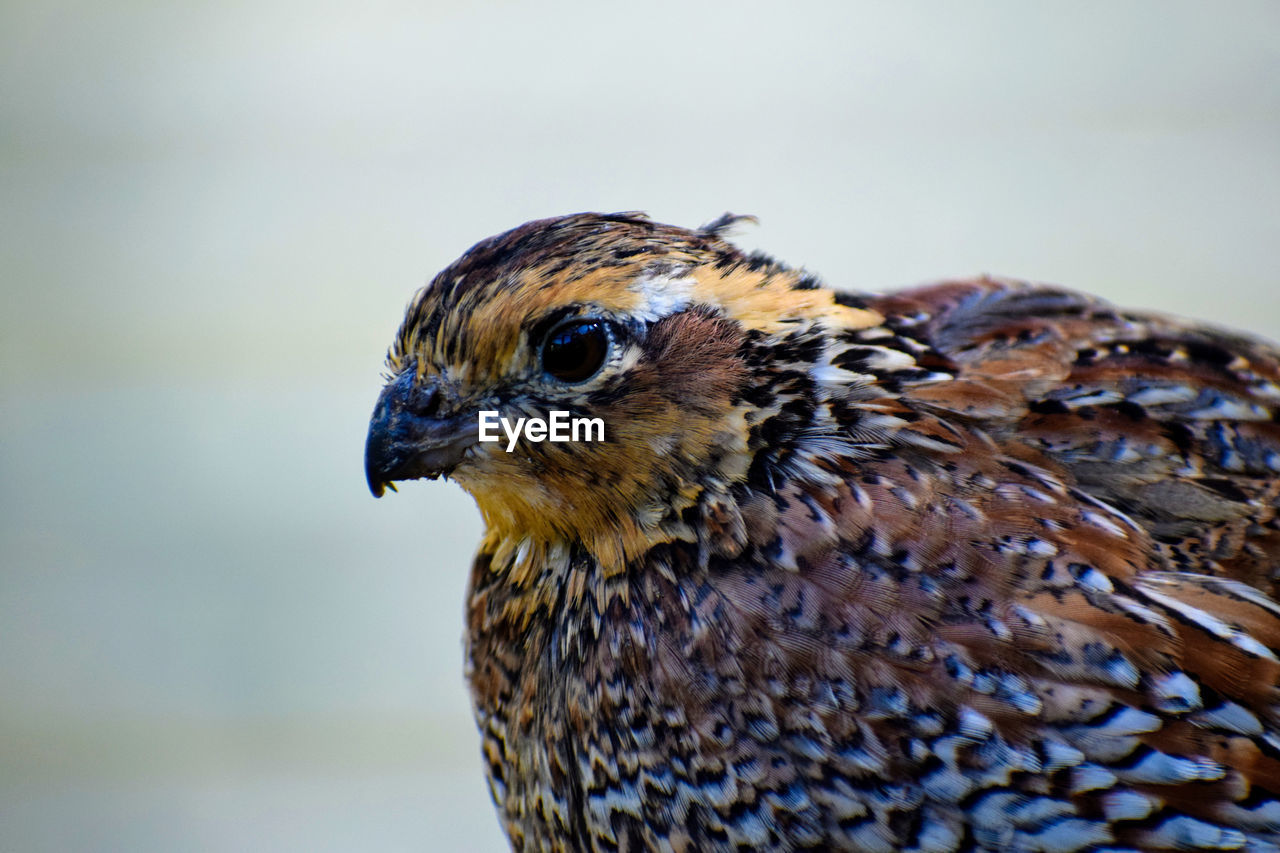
[{"x": 661, "y": 333}]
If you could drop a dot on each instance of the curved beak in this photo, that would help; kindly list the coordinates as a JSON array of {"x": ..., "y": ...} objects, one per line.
[{"x": 410, "y": 438}]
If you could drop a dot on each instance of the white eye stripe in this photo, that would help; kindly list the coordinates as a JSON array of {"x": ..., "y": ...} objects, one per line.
[{"x": 662, "y": 294}]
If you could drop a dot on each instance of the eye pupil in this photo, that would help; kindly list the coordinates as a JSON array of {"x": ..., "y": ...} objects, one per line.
[{"x": 576, "y": 350}]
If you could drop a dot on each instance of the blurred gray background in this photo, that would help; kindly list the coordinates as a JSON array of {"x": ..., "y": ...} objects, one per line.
[{"x": 212, "y": 214}]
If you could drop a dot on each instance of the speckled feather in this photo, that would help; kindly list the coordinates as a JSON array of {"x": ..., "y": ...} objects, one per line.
[{"x": 979, "y": 565}]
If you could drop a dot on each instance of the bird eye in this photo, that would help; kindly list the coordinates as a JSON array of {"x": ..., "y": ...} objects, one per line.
[{"x": 576, "y": 350}]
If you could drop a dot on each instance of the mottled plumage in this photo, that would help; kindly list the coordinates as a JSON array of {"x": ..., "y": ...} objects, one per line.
[{"x": 979, "y": 565}]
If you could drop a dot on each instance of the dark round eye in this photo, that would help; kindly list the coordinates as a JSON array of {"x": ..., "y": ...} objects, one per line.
[{"x": 575, "y": 350}]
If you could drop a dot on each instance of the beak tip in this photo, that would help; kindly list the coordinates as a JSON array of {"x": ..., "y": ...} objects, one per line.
[{"x": 373, "y": 470}]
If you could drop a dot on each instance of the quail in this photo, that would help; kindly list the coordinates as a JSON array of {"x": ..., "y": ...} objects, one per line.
[{"x": 980, "y": 565}]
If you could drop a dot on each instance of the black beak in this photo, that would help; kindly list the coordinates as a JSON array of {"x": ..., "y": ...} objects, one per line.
[{"x": 410, "y": 437}]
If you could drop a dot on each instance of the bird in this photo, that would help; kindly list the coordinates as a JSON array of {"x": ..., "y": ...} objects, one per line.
[{"x": 975, "y": 565}]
